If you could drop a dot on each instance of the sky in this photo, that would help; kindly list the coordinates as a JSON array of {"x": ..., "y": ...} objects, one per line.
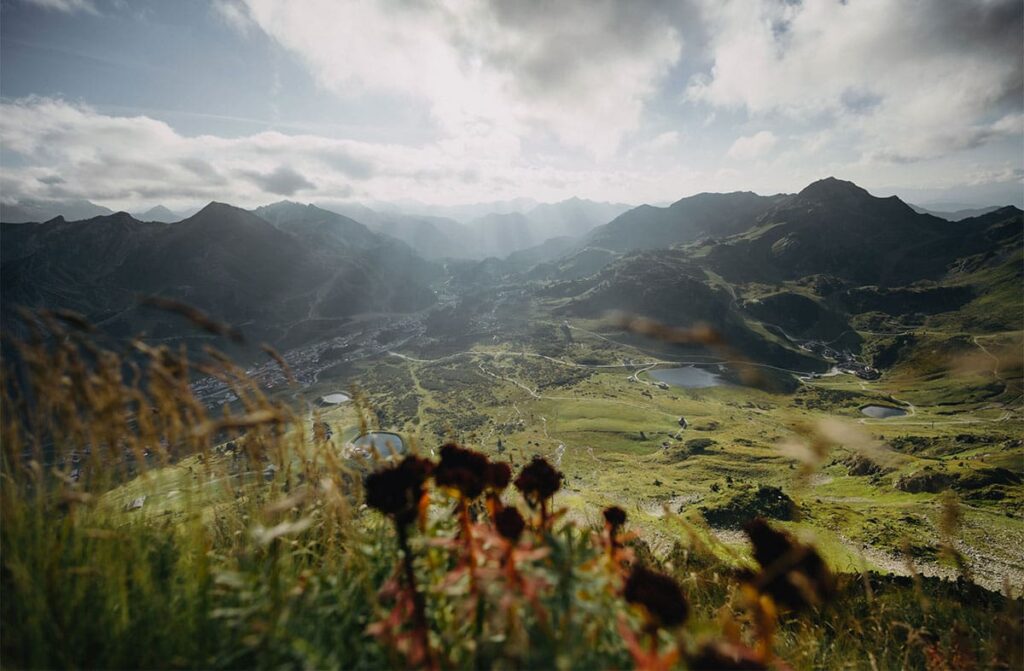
[{"x": 131, "y": 103}]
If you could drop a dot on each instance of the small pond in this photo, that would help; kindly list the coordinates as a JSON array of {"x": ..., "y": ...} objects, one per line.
[
  {"x": 384, "y": 443},
  {"x": 336, "y": 398},
  {"x": 689, "y": 377},
  {"x": 882, "y": 411}
]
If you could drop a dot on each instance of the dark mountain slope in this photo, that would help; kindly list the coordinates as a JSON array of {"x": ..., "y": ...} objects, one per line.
[
  {"x": 70, "y": 264},
  {"x": 665, "y": 285},
  {"x": 647, "y": 227},
  {"x": 816, "y": 266},
  {"x": 318, "y": 227},
  {"x": 836, "y": 228},
  {"x": 224, "y": 260},
  {"x": 368, "y": 269}
]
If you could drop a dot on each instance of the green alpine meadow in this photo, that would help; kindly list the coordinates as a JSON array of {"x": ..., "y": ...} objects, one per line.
[{"x": 477, "y": 335}]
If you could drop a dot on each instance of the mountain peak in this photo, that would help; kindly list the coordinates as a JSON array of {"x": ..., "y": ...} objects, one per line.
[
  {"x": 838, "y": 192},
  {"x": 159, "y": 213},
  {"x": 830, "y": 187},
  {"x": 216, "y": 207}
]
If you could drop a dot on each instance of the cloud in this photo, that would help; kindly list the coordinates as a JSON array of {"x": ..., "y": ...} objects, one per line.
[
  {"x": 911, "y": 80},
  {"x": 754, "y": 146},
  {"x": 55, "y": 149},
  {"x": 233, "y": 14},
  {"x": 283, "y": 181},
  {"x": 67, "y": 6},
  {"x": 580, "y": 70}
]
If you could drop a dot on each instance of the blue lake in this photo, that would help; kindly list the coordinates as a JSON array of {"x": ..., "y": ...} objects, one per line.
[
  {"x": 689, "y": 377},
  {"x": 384, "y": 443},
  {"x": 882, "y": 411}
]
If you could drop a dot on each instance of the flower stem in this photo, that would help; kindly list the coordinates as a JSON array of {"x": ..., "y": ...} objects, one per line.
[{"x": 418, "y": 604}]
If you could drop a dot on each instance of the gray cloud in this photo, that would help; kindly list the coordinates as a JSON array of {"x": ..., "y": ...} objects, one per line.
[
  {"x": 283, "y": 181},
  {"x": 67, "y": 6},
  {"x": 913, "y": 80},
  {"x": 344, "y": 162}
]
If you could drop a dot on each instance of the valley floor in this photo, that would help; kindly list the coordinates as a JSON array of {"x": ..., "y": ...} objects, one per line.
[{"x": 869, "y": 492}]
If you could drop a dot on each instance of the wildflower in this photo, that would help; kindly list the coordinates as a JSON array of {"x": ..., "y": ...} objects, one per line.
[
  {"x": 722, "y": 656},
  {"x": 792, "y": 573},
  {"x": 462, "y": 470},
  {"x": 538, "y": 481},
  {"x": 397, "y": 491},
  {"x": 615, "y": 517},
  {"x": 614, "y": 541},
  {"x": 498, "y": 476},
  {"x": 660, "y": 596},
  {"x": 510, "y": 524}
]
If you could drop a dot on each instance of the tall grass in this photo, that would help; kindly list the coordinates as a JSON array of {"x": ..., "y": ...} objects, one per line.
[{"x": 230, "y": 564}]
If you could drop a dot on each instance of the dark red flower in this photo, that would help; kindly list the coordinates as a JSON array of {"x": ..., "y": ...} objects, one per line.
[
  {"x": 538, "y": 481},
  {"x": 462, "y": 470},
  {"x": 498, "y": 476},
  {"x": 722, "y": 656},
  {"x": 396, "y": 491},
  {"x": 510, "y": 524},
  {"x": 615, "y": 516},
  {"x": 792, "y": 573},
  {"x": 660, "y": 596}
]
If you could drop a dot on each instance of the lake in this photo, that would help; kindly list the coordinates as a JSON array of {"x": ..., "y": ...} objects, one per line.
[
  {"x": 384, "y": 443},
  {"x": 882, "y": 411},
  {"x": 689, "y": 377}
]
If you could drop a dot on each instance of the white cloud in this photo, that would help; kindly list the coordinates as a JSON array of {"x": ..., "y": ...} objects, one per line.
[
  {"x": 579, "y": 70},
  {"x": 69, "y": 6},
  {"x": 64, "y": 150},
  {"x": 753, "y": 146},
  {"x": 232, "y": 14},
  {"x": 913, "y": 80}
]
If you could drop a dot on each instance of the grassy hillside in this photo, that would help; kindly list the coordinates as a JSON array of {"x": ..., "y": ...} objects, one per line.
[{"x": 141, "y": 529}]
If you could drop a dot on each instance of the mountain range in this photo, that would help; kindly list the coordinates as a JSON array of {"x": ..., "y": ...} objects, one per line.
[
  {"x": 767, "y": 271},
  {"x": 25, "y": 211},
  {"x": 493, "y": 234},
  {"x": 304, "y": 266}
]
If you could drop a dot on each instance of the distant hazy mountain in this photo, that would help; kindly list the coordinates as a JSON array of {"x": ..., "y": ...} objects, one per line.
[
  {"x": 502, "y": 234},
  {"x": 499, "y": 235},
  {"x": 462, "y": 213},
  {"x": 431, "y": 237},
  {"x": 43, "y": 210},
  {"x": 956, "y": 215},
  {"x": 573, "y": 217},
  {"x": 159, "y": 213},
  {"x": 496, "y": 233},
  {"x": 309, "y": 265}
]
